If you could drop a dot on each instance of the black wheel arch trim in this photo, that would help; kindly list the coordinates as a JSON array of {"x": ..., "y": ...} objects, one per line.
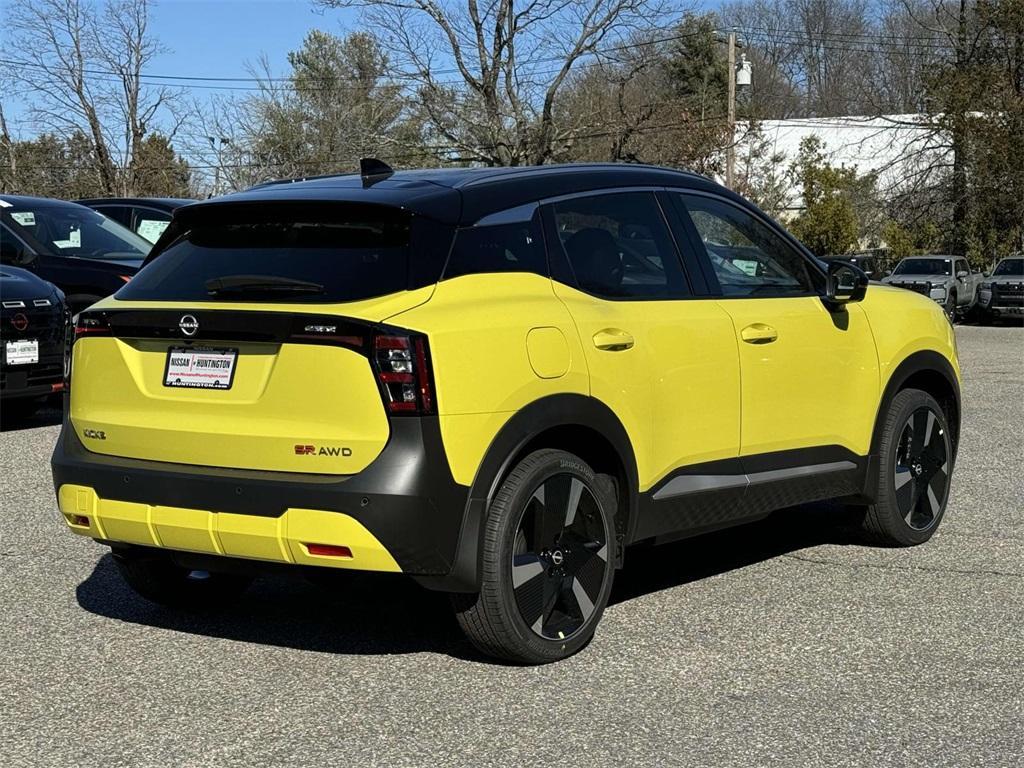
[{"x": 524, "y": 427}]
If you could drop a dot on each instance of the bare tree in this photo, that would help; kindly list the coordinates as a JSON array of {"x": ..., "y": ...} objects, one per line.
[
  {"x": 83, "y": 69},
  {"x": 504, "y": 65}
]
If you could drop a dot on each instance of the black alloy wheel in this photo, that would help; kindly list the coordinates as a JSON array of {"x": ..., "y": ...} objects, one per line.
[
  {"x": 559, "y": 558},
  {"x": 916, "y": 453},
  {"x": 921, "y": 475},
  {"x": 547, "y": 561}
]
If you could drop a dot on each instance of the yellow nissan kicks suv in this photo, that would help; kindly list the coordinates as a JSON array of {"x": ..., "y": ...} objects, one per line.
[{"x": 493, "y": 380}]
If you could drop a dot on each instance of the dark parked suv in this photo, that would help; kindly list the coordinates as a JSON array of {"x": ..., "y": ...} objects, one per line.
[
  {"x": 82, "y": 252},
  {"x": 33, "y": 332}
]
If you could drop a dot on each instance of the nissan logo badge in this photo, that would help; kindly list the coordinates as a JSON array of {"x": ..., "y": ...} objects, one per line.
[{"x": 189, "y": 325}]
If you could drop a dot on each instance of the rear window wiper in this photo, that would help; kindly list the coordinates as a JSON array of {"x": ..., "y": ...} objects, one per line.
[{"x": 259, "y": 284}]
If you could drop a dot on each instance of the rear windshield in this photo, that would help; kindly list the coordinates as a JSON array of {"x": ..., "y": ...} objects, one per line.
[{"x": 296, "y": 255}]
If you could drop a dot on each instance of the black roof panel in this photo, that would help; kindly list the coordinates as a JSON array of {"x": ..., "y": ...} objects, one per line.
[{"x": 464, "y": 195}]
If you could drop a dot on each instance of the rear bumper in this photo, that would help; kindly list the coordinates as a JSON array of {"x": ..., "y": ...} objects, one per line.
[{"x": 402, "y": 513}]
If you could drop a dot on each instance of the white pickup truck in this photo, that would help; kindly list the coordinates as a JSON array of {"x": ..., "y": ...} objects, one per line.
[{"x": 946, "y": 279}]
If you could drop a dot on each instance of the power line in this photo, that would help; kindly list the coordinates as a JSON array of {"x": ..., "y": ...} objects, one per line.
[{"x": 392, "y": 76}]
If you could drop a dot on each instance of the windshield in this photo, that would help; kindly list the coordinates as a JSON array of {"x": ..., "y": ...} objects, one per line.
[
  {"x": 1009, "y": 267},
  {"x": 361, "y": 252},
  {"x": 924, "y": 267},
  {"x": 73, "y": 230}
]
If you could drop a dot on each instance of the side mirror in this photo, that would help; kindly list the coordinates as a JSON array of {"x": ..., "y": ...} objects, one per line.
[
  {"x": 887, "y": 273},
  {"x": 845, "y": 283},
  {"x": 961, "y": 274}
]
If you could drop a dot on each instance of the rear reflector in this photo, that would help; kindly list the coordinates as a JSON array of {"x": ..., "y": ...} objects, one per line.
[{"x": 329, "y": 550}]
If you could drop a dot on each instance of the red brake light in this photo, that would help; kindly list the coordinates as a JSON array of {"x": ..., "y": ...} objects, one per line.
[
  {"x": 91, "y": 325},
  {"x": 403, "y": 369}
]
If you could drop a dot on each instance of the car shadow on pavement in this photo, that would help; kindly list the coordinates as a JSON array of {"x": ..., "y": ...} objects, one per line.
[
  {"x": 380, "y": 614},
  {"x": 47, "y": 416},
  {"x": 650, "y": 569}
]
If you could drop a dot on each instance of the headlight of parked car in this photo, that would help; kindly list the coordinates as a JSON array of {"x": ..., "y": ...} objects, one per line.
[
  {"x": 986, "y": 286},
  {"x": 938, "y": 292}
]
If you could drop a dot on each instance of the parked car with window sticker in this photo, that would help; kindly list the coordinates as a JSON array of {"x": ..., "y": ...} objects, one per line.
[
  {"x": 493, "y": 381},
  {"x": 82, "y": 252},
  {"x": 147, "y": 217},
  {"x": 948, "y": 280},
  {"x": 1002, "y": 292}
]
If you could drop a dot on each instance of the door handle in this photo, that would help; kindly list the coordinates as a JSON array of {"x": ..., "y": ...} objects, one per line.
[
  {"x": 759, "y": 333},
  {"x": 613, "y": 340}
]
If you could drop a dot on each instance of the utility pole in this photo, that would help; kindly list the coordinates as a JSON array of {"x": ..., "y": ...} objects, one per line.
[
  {"x": 216, "y": 171},
  {"x": 730, "y": 147}
]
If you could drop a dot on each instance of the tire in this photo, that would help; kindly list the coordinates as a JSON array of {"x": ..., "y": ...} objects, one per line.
[
  {"x": 915, "y": 465},
  {"x": 547, "y": 561},
  {"x": 157, "y": 578},
  {"x": 950, "y": 307}
]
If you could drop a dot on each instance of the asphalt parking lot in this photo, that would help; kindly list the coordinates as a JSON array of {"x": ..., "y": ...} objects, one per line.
[{"x": 783, "y": 643}]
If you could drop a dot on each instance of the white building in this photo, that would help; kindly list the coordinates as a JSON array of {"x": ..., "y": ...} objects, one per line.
[{"x": 899, "y": 148}]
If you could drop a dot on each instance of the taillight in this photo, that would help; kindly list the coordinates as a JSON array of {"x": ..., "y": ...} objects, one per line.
[
  {"x": 403, "y": 368},
  {"x": 91, "y": 325}
]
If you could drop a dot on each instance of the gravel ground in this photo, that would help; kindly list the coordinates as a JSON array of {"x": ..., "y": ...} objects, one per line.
[{"x": 782, "y": 643}]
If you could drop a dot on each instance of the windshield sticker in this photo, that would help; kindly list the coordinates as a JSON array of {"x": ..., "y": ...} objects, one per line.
[
  {"x": 25, "y": 218},
  {"x": 74, "y": 240},
  {"x": 151, "y": 229}
]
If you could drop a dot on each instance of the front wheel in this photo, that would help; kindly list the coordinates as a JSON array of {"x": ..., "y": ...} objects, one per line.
[
  {"x": 915, "y": 463},
  {"x": 547, "y": 561},
  {"x": 950, "y": 307}
]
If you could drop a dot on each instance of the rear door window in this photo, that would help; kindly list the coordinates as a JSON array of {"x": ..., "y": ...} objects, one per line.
[
  {"x": 617, "y": 246},
  {"x": 295, "y": 254}
]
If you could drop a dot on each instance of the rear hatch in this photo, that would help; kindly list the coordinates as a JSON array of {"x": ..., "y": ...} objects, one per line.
[{"x": 253, "y": 340}]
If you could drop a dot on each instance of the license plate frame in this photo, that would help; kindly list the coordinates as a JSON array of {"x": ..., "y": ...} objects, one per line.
[
  {"x": 26, "y": 352},
  {"x": 199, "y": 379}
]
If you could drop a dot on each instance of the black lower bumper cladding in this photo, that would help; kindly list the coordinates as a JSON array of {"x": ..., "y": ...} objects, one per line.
[{"x": 406, "y": 498}]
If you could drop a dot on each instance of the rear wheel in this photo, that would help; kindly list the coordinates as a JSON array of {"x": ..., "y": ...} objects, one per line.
[
  {"x": 547, "y": 561},
  {"x": 156, "y": 577},
  {"x": 916, "y": 461}
]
